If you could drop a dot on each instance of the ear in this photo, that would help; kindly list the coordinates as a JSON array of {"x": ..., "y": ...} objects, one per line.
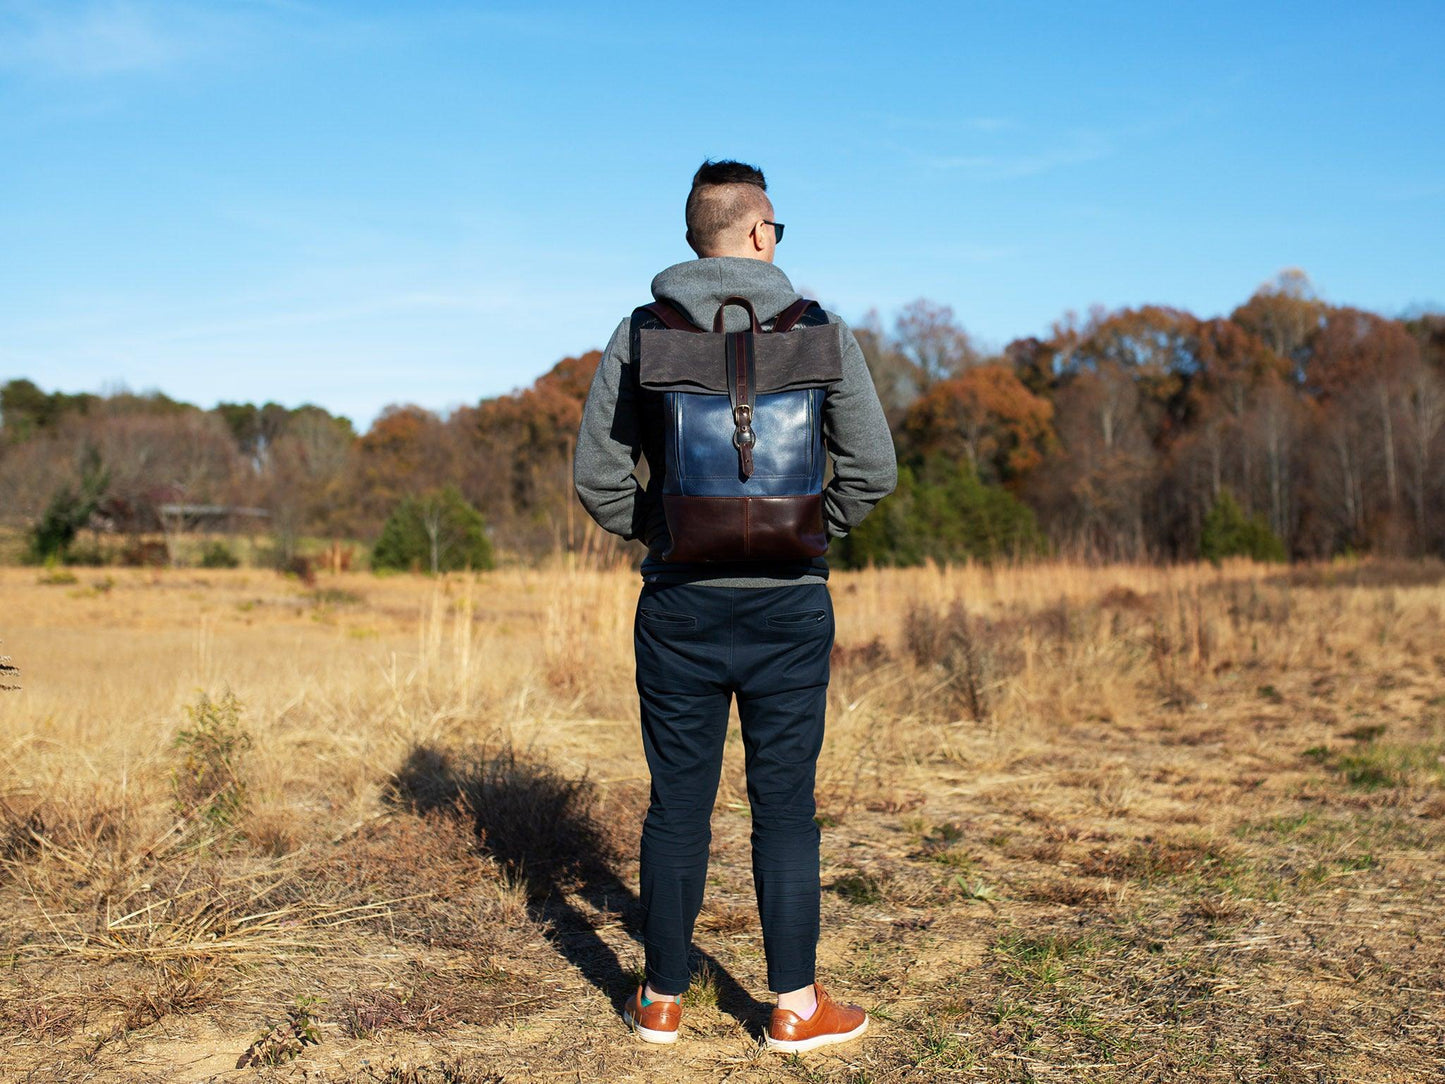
[{"x": 757, "y": 236}]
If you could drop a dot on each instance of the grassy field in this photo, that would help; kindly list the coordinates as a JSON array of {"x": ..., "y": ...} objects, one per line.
[{"x": 1107, "y": 825}]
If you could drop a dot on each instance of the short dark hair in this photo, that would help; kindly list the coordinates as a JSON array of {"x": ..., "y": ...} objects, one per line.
[
  {"x": 722, "y": 193},
  {"x": 728, "y": 172}
]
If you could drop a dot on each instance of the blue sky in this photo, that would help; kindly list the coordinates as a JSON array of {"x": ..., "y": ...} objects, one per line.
[{"x": 355, "y": 204}]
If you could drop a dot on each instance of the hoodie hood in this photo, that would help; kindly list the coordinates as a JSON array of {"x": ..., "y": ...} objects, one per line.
[{"x": 698, "y": 287}]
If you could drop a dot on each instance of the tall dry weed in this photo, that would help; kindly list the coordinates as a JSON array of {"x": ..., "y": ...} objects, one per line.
[{"x": 210, "y": 782}]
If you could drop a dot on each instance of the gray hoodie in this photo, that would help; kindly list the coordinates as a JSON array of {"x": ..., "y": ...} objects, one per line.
[{"x": 608, "y": 445}]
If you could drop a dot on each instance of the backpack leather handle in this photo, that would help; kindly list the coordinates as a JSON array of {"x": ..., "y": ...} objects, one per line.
[{"x": 717, "y": 321}]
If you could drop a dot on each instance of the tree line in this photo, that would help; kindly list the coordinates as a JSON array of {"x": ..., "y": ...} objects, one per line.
[{"x": 1290, "y": 428}]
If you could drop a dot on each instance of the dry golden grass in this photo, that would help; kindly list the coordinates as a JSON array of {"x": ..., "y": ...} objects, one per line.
[{"x": 1106, "y": 824}]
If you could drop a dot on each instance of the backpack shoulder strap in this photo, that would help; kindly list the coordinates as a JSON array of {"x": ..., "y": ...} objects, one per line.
[
  {"x": 659, "y": 315},
  {"x": 670, "y": 317},
  {"x": 790, "y": 316}
]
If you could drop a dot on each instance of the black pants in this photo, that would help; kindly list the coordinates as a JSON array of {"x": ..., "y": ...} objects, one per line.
[{"x": 697, "y": 647}]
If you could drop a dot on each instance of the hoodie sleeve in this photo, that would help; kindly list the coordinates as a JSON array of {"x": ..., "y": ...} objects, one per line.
[
  {"x": 865, "y": 468},
  {"x": 608, "y": 446}
]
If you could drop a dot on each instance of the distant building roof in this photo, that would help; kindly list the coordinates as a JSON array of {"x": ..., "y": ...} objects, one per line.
[{"x": 212, "y": 510}]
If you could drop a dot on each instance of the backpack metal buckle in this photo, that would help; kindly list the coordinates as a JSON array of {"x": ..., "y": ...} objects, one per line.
[{"x": 743, "y": 435}]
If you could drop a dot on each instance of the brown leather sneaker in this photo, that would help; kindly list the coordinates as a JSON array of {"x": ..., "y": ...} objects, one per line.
[
  {"x": 657, "y": 1022},
  {"x": 830, "y": 1023}
]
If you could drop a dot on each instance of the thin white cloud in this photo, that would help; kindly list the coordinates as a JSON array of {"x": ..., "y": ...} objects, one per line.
[
  {"x": 976, "y": 254},
  {"x": 1005, "y": 166},
  {"x": 97, "y": 39},
  {"x": 135, "y": 323},
  {"x": 91, "y": 39},
  {"x": 986, "y": 147},
  {"x": 901, "y": 122}
]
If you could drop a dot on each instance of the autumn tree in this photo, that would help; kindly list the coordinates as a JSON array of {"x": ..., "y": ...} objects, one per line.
[
  {"x": 1093, "y": 488},
  {"x": 1423, "y": 416},
  {"x": 1285, "y": 314},
  {"x": 307, "y": 481},
  {"x": 26, "y": 410},
  {"x": 1232, "y": 364},
  {"x": 522, "y": 446},
  {"x": 1357, "y": 372},
  {"x": 985, "y": 416},
  {"x": 406, "y": 451}
]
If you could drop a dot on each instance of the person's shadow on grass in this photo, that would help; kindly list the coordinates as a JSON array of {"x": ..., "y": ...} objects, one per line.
[{"x": 541, "y": 827}]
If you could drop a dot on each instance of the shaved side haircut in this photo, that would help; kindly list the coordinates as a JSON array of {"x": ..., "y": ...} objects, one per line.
[{"x": 724, "y": 194}]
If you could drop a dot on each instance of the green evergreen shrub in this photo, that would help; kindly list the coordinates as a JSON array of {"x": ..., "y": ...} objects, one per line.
[
  {"x": 1228, "y": 532},
  {"x": 943, "y": 511},
  {"x": 68, "y": 511},
  {"x": 435, "y": 532},
  {"x": 218, "y": 555}
]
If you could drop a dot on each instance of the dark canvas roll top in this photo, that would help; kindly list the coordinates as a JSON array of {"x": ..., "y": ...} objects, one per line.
[
  {"x": 677, "y": 361},
  {"x": 741, "y": 418}
]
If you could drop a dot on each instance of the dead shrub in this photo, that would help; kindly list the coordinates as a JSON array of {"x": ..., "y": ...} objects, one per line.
[
  {"x": 1150, "y": 860},
  {"x": 273, "y": 832},
  {"x": 1168, "y": 658},
  {"x": 1248, "y": 606},
  {"x": 861, "y": 657},
  {"x": 443, "y": 1072},
  {"x": 1069, "y": 892},
  {"x": 973, "y": 653},
  {"x": 88, "y": 835},
  {"x": 1218, "y": 909},
  {"x": 176, "y": 989},
  {"x": 20, "y": 833},
  {"x": 446, "y": 892},
  {"x": 1375, "y": 572},
  {"x": 895, "y": 802},
  {"x": 41, "y": 1017},
  {"x": 365, "y": 1014},
  {"x": 860, "y": 886},
  {"x": 1120, "y": 597}
]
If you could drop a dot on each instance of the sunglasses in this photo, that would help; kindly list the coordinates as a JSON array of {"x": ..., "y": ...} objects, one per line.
[{"x": 777, "y": 230}]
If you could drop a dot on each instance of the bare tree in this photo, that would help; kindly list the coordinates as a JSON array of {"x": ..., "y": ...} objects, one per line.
[
  {"x": 1424, "y": 416},
  {"x": 927, "y": 334},
  {"x": 894, "y": 374}
]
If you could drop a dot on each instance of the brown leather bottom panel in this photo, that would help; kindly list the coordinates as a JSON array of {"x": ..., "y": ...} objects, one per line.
[{"x": 744, "y": 528}]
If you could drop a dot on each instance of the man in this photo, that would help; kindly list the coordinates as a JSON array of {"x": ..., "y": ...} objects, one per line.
[{"x": 705, "y": 631}]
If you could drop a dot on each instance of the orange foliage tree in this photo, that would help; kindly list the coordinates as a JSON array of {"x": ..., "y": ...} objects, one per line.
[{"x": 987, "y": 416}]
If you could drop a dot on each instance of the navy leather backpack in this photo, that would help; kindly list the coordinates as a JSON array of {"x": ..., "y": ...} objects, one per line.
[{"x": 739, "y": 420}]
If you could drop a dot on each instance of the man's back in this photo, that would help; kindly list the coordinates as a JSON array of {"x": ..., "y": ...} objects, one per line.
[{"x": 620, "y": 425}]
